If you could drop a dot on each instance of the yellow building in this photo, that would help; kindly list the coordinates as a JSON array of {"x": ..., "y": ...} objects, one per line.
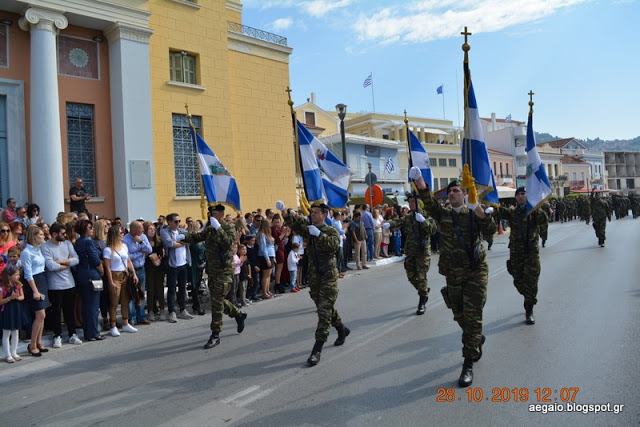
[{"x": 234, "y": 79}]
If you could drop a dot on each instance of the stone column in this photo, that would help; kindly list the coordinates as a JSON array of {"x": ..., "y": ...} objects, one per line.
[
  {"x": 47, "y": 182},
  {"x": 130, "y": 81}
]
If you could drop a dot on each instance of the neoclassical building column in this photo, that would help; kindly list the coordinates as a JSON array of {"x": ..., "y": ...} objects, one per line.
[
  {"x": 132, "y": 135},
  {"x": 47, "y": 182}
]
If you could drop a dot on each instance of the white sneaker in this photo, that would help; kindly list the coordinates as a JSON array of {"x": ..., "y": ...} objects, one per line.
[
  {"x": 184, "y": 314},
  {"x": 129, "y": 328},
  {"x": 151, "y": 317},
  {"x": 73, "y": 339},
  {"x": 57, "y": 342},
  {"x": 163, "y": 316},
  {"x": 114, "y": 332},
  {"x": 172, "y": 317}
]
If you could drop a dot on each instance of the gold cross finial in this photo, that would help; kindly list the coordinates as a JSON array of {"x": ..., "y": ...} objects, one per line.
[
  {"x": 406, "y": 121},
  {"x": 531, "y": 98},
  {"x": 186, "y": 106},
  {"x": 290, "y": 102},
  {"x": 465, "y": 33}
]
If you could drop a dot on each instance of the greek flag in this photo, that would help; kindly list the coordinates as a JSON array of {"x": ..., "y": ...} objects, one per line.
[
  {"x": 368, "y": 81},
  {"x": 538, "y": 187},
  {"x": 217, "y": 183},
  {"x": 474, "y": 149},
  {"x": 508, "y": 119},
  {"x": 389, "y": 165},
  {"x": 439, "y": 90},
  {"x": 420, "y": 158},
  {"x": 333, "y": 184}
]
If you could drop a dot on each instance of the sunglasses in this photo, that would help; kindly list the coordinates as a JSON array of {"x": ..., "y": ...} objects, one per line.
[
  {"x": 176, "y": 221},
  {"x": 4, "y": 231},
  {"x": 189, "y": 222}
]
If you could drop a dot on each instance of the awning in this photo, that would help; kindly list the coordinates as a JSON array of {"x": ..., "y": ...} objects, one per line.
[{"x": 435, "y": 131}]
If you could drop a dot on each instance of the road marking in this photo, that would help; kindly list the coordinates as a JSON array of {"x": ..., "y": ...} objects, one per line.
[{"x": 241, "y": 394}]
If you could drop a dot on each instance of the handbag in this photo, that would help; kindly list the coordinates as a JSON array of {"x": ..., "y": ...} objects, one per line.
[
  {"x": 134, "y": 289},
  {"x": 98, "y": 285}
]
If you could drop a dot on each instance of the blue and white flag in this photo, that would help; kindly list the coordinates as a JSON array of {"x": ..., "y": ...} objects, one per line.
[
  {"x": 538, "y": 187},
  {"x": 218, "y": 184},
  {"x": 420, "y": 158},
  {"x": 389, "y": 165},
  {"x": 440, "y": 89},
  {"x": 474, "y": 149},
  {"x": 508, "y": 119},
  {"x": 368, "y": 81},
  {"x": 333, "y": 184}
]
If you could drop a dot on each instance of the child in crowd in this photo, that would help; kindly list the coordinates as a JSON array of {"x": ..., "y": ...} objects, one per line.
[
  {"x": 233, "y": 291},
  {"x": 386, "y": 239},
  {"x": 13, "y": 258},
  {"x": 10, "y": 312},
  {"x": 245, "y": 273},
  {"x": 397, "y": 237},
  {"x": 252, "y": 258},
  {"x": 292, "y": 266}
]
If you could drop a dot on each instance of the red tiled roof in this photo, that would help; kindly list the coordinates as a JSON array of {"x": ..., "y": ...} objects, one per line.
[
  {"x": 572, "y": 160},
  {"x": 558, "y": 143}
]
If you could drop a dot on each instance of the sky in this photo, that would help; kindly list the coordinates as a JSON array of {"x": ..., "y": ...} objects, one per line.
[{"x": 581, "y": 58}]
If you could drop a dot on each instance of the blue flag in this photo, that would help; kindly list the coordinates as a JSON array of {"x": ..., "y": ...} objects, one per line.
[
  {"x": 420, "y": 158},
  {"x": 474, "y": 149},
  {"x": 333, "y": 184},
  {"x": 439, "y": 90},
  {"x": 538, "y": 187},
  {"x": 217, "y": 183}
]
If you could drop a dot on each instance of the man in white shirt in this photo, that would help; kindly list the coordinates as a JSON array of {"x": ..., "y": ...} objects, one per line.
[{"x": 179, "y": 262}]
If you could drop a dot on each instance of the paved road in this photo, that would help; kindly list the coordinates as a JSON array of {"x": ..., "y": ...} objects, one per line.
[{"x": 395, "y": 369}]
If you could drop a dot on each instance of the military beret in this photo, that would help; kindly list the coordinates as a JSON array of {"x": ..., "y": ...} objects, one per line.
[
  {"x": 322, "y": 206},
  {"x": 410, "y": 195},
  {"x": 454, "y": 183},
  {"x": 521, "y": 190},
  {"x": 219, "y": 208}
]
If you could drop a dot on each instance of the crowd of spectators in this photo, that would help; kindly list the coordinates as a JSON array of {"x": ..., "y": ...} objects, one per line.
[{"x": 83, "y": 268}]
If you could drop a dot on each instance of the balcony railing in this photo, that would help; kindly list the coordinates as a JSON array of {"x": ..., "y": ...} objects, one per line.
[
  {"x": 560, "y": 178},
  {"x": 234, "y": 27}
]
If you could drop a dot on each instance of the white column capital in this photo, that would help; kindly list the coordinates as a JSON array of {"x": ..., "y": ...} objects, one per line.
[
  {"x": 120, "y": 30},
  {"x": 43, "y": 19}
]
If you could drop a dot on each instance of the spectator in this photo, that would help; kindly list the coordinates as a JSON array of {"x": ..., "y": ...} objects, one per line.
[
  {"x": 179, "y": 260},
  {"x": 45, "y": 228},
  {"x": 10, "y": 312},
  {"x": 245, "y": 275},
  {"x": 266, "y": 256},
  {"x": 100, "y": 229},
  {"x": 358, "y": 237},
  {"x": 36, "y": 288},
  {"x": 377, "y": 232},
  {"x": 255, "y": 226},
  {"x": 241, "y": 229},
  {"x": 292, "y": 266},
  {"x": 254, "y": 265},
  {"x": 367, "y": 221},
  {"x": 21, "y": 216},
  {"x": 117, "y": 266},
  {"x": 138, "y": 247},
  {"x": 77, "y": 196},
  {"x": 280, "y": 235},
  {"x": 60, "y": 256},
  {"x": 197, "y": 268},
  {"x": 9, "y": 214},
  {"x": 154, "y": 271},
  {"x": 6, "y": 242},
  {"x": 89, "y": 268},
  {"x": 33, "y": 212}
]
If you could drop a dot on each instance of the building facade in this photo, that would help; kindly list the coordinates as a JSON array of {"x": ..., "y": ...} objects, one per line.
[
  {"x": 623, "y": 169},
  {"x": 97, "y": 89}
]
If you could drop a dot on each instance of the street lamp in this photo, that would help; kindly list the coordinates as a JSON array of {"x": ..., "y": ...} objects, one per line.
[{"x": 341, "y": 109}]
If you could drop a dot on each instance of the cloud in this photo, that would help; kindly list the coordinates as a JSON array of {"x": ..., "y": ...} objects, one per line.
[
  {"x": 282, "y": 24},
  {"x": 319, "y": 8},
  {"x": 428, "y": 20}
]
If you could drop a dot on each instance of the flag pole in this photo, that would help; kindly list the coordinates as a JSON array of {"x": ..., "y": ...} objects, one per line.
[
  {"x": 302, "y": 198},
  {"x": 373, "y": 99},
  {"x": 467, "y": 172},
  {"x": 444, "y": 116},
  {"x": 406, "y": 125},
  {"x": 203, "y": 203}
]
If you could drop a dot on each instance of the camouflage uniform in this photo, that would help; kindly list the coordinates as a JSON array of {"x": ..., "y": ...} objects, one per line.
[
  {"x": 600, "y": 212},
  {"x": 463, "y": 263},
  {"x": 543, "y": 229},
  {"x": 524, "y": 253},
  {"x": 322, "y": 273},
  {"x": 220, "y": 267},
  {"x": 417, "y": 248}
]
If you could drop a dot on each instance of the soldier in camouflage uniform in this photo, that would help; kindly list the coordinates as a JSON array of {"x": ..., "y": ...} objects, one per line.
[
  {"x": 543, "y": 229},
  {"x": 219, "y": 237},
  {"x": 600, "y": 212},
  {"x": 524, "y": 253},
  {"x": 417, "y": 226},
  {"x": 463, "y": 263},
  {"x": 322, "y": 273}
]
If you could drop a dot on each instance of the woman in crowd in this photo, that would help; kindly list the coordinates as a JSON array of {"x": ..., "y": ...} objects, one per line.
[
  {"x": 36, "y": 288},
  {"x": 279, "y": 234},
  {"x": 377, "y": 232},
  {"x": 117, "y": 266},
  {"x": 196, "y": 269},
  {"x": 155, "y": 273},
  {"x": 89, "y": 268},
  {"x": 45, "y": 228},
  {"x": 33, "y": 212},
  {"x": 100, "y": 229},
  {"x": 241, "y": 229},
  {"x": 6, "y": 241},
  {"x": 266, "y": 256},
  {"x": 17, "y": 233}
]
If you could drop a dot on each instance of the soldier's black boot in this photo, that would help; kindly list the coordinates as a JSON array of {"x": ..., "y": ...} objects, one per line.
[
  {"x": 543, "y": 243},
  {"x": 421, "y": 304},
  {"x": 480, "y": 349},
  {"x": 315, "y": 353},
  {"x": 240, "y": 318},
  {"x": 214, "y": 340},
  {"x": 528, "y": 308},
  {"x": 343, "y": 333},
  {"x": 466, "y": 376}
]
